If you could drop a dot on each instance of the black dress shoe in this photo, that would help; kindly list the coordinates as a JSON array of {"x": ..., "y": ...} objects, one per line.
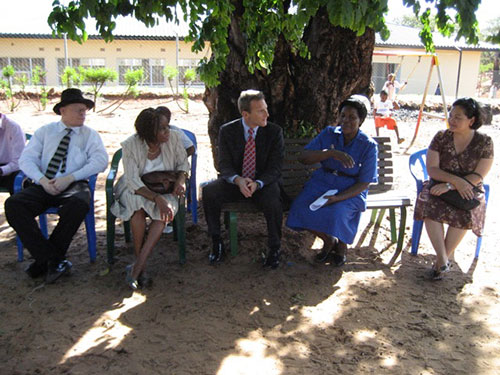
[
  {"x": 36, "y": 269},
  {"x": 56, "y": 270},
  {"x": 338, "y": 260},
  {"x": 217, "y": 253},
  {"x": 273, "y": 259}
]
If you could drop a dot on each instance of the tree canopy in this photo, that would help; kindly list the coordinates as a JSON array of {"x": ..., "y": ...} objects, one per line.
[{"x": 262, "y": 24}]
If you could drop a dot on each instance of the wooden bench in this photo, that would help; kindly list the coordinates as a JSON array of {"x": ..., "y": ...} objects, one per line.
[{"x": 380, "y": 196}]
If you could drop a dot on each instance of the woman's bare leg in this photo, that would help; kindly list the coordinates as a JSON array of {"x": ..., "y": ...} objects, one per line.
[
  {"x": 154, "y": 234},
  {"x": 327, "y": 239},
  {"x": 453, "y": 238},
  {"x": 435, "y": 231},
  {"x": 138, "y": 226}
]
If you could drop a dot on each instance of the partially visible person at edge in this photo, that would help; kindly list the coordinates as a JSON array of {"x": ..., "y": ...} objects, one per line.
[
  {"x": 348, "y": 160},
  {"x": 12, "y": 140},
  {"x": 188, "y": 144},
  {"x": 59, "y": 158},
  {"x": 237, "y": 181},
  {"x": 455, "y": 155},
  {"x": 153, "y": 148}
]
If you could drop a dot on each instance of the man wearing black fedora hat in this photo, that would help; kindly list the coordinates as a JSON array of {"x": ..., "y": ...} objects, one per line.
[{"x": 60, "y": 158}]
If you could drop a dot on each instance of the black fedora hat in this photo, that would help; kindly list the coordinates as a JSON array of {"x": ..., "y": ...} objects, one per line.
[{"x": 70, "y": 96}]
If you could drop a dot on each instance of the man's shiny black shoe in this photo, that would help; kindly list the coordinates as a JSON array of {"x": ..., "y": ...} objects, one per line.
[
  {"x": 56, "y": 270},
  {"x": 217, "y": 253},
  {"x": 273, "y": 259},
  {"x": 338, "y": 260},
  {"x": 36, "y": 269}
]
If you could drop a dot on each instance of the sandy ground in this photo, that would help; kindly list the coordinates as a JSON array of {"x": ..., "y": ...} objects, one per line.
[{"x": 236, "y": 318}]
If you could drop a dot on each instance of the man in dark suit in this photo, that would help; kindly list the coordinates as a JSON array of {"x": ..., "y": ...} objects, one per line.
[{"x": 250, "y": 156}]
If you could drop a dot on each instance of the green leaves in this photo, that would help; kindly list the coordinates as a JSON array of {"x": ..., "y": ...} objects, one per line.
[
  {"x": 133, "y": 77},
  {"x": 97, "y": 77},
  {"x": 259, "y": 23}
]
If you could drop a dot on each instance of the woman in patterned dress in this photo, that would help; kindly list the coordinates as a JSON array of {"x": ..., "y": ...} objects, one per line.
[
  {"x": 455, "y": 154},
  {"x": 152, "y": 148}
]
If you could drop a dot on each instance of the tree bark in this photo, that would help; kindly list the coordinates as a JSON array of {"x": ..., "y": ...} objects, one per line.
[{"x": 299, "y": 92}]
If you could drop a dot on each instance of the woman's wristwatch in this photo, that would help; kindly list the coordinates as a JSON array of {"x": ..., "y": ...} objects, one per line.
[{"x": 449, "y": 186}]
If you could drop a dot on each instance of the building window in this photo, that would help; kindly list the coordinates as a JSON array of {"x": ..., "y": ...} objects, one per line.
[
  {"x": 77, "y": 62},
  {"x": 23, "y": 66},
  {"x": 127, "y": 64},
  {"x": 185, "y": 64},
  {"x": 153, "y": 70}
]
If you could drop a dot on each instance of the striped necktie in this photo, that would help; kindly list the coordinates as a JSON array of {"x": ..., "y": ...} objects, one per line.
[
  {"x": 248, "y": 169},
  {"x": 59, "y": 157}
]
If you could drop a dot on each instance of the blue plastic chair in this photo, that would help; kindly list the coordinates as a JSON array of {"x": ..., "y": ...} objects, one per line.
[
  {"x": 192, "y": 201},
  {"x": 42, "y": 219},
  {"x": 418, "y": 170}
]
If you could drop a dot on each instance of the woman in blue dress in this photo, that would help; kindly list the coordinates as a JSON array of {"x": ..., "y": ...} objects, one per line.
[{"x": 348, "y": 160}]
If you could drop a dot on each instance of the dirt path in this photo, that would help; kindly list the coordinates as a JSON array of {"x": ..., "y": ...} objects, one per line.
[{"x": 237, "y": 318}]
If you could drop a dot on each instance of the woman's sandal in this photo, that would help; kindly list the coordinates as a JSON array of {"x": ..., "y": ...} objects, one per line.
[
  {"x": 439, "y": 274},
  {"x": 131, "y": 282}
]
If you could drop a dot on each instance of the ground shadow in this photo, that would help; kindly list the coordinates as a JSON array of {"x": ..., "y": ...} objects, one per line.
[{"x": 238, "y": 317}]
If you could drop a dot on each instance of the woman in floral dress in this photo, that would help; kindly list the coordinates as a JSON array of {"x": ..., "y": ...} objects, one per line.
[{"x": 455, "y": 154}]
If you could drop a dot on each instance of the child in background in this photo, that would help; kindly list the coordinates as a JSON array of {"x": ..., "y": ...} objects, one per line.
[
  {"x": 391, "y": 85},
  {"x": 382, "y": 112}
]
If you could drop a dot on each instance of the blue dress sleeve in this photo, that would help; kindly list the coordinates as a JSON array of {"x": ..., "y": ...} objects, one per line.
[{"x": 322, "y": 141}]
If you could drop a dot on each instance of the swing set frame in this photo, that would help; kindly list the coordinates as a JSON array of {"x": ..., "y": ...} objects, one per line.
[{"x": 434, "y": 63}]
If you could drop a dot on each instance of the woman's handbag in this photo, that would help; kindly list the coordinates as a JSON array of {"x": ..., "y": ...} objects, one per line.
[
  {"x": 161, "y": 182},
  {"x": 453, "y": 197}
]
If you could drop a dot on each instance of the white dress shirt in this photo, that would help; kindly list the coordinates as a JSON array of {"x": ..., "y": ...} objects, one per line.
[
  {"x": 86, "y": 153},
  {"x": 12, "y": 140},
  {"x": 185, "y": 139}
]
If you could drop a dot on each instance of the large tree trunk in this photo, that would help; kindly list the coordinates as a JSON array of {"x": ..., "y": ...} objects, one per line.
[{"x": 299, "y": 92}]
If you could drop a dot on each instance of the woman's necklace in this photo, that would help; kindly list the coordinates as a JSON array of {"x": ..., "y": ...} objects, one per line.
[{"x": 150, "y": 152}]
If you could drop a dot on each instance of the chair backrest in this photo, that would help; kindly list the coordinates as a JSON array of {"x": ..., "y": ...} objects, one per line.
[
  {"x": 192, "y": 137},
  {"x": 384, "y": 166},
  {"x": 418, "y": 168},
  {"x": 295, "y": 174},
  {"x": 194, "y": 157}
]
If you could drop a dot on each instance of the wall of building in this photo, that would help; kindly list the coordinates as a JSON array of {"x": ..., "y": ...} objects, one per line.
[
  {"x": 164, "y": 52},
  {"x": 111, "y": 53}
]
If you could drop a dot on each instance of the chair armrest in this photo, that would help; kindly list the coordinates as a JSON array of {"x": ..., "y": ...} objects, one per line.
[
  {"x": 18, "y": 181},
  {"x": 110, "y": 179}
]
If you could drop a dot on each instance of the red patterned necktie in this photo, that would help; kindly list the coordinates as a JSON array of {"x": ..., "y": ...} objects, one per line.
[{"x": 248, "y": 169}]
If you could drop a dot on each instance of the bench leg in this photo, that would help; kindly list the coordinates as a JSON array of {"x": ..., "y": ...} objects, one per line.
[
  {"x": 401, "y": 236},
  {"x": 392, "y": 218},
  {"x": 180, "y": 222},
  {"x": 380, "y": 216},
  {"x": 233, "y": 233}
]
